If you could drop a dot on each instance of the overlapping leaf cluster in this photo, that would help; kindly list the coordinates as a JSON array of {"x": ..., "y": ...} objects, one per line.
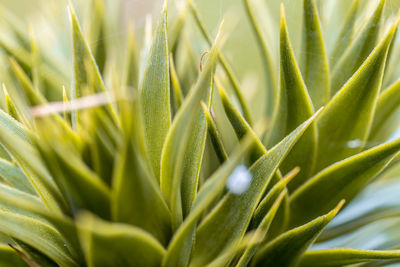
[{"x": 130, "y": 166}]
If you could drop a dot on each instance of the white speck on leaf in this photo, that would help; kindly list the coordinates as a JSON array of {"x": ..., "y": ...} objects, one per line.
[{"x": 239, "y": 181}]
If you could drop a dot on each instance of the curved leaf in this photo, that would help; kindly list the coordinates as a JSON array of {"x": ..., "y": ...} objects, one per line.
[
  {"x": 384, "y": 123},
  {"x": 345, "y": 256},
  {"x": 287, "y": 248},
  {"x": 228, "y": 69},
  {"x": 344, "y": 125},
  {"x": 346, "y": 35},
  {"x": 155, "y": 95},
  {"x": 358, "y": 51},
  {"x": 267, "y": 58},
  {"x": 342, "y": 180},
  {"x": 37, "y": 234},
  {"x": 231, "y": 217},
  {"x": 112, "y": 244},
  {"x": 315, "y": 67},
  {"x": 14, "y": 176}
]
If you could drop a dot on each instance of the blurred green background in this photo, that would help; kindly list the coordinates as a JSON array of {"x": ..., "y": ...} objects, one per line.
[{"x": 240, "y": 48}]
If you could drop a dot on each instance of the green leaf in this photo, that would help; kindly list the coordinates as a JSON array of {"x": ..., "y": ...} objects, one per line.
[
  {"x": 342, "y": 180},
  {"x": 136, "y": 197},
  {"x": 97, "y": 33},
  {"x": 262, "y": 230},
  {"x": 214, "y": 135},
  {"x": 112, "y": 244},
  {"x": 18, "y": 142},
  {"x": 315, "y": 67},
  {"x": 10, "y": 258},
  {"x": 355, "y": 54},
  {"x": 231, "y": 217},
  {"x": 287, "y": 248},
  {"x": 180, "y": 247},
  {"x": 345, "y": 123},
  {"x": 240, "y": 125},
  {"x": 37, "y": 234},
  {"x": 264, "y": 206},
  {"x": 385, "y": 120},
  {"x": 83, "y": 188},
  {"x": 266, "y": 56},
  {"x": 85, "y": 70},
  {"x": 228, "y": 69},
  {"x": 131, "y": 69},
  {"x": 293, "y": 108},
  {"x": 346, "y": 35},
  {"x": 30, "y": 205},
  {"x": 345, "y": 256},
  {"x": 177, "y": 90},
  {"x": 177, "y": 192},
  {"x": 15, "y": 177},
  {"x": 155, "y": 94}
]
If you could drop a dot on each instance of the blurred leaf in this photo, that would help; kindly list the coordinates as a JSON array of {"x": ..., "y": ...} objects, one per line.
[
  {"x": 346, "y": 35},
  {"x": 231, "y": 217},
  {"x": 85, "y": 68},
  {"x": 131, "y": 69},
  {"x": 10, "y": 258},
  {"x": 112, "y": 244},
  {"x": 214, "y": 135},
  {"x": 315, "y": 67},
  {"x": 37, "y": 234},
  {"x": 385, "y": 120},
  {"x": 358, "y": 51},
  {"x": 136, "y": 198},
  {"x": 287, "y": 248},
  {"x": 155, "y": 95},
  {"x": 267, "y": 58},
  {"x": 342, "y": 180},
  {"x": 228, "y": 69},
  {"x": 18, "y": 142},
  {"x": 345, "y": 123},
  {"x": 82, "y": 187},
  {"x": 14, "y": 176},
  {"x": 345, "y": 256},
  {"x": 293, "y": 108},
  {"x": 177, "y": 94}
]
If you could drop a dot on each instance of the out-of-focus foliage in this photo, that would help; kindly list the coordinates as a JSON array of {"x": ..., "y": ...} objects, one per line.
[{"x": 172, "y": 145}]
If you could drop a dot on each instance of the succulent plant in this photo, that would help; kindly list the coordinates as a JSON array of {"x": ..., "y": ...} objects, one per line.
[{"x": 141, "y": 157}]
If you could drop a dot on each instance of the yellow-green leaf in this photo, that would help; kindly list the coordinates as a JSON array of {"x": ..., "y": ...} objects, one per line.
[
  {"x": 355, "y": 54},
  {"x": 315, "y": 67},
  {"x": 345, "y": 123},
  {"x": 113, "y": 244},
  {"x": 342, "y": 180},
  {"x": 179, "y": 138},
  {"x": 345, "y": 256},
  {"x": 15, "y": 177},
  {"x": 180, "y": 247},
  {"x": 287, "y": 248},
  {"x": 385, "y": 120},
  {"x": 293, "y": 108},
  {"x": 346, "y": 35},
  {"x": 155, "y": 94},
  {"x": 231, "y": 217}
]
